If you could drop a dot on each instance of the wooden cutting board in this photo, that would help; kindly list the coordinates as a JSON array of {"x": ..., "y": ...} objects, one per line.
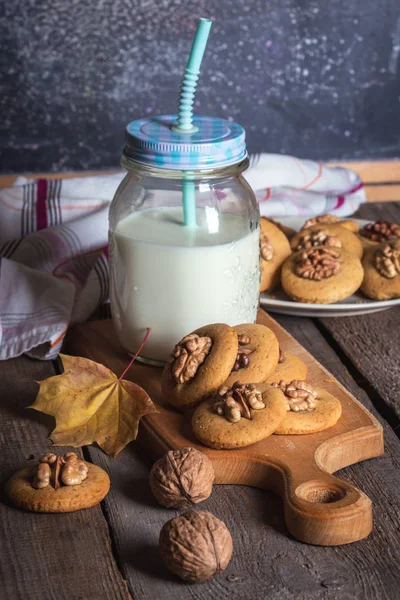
[{"x": 319, "y": 508}]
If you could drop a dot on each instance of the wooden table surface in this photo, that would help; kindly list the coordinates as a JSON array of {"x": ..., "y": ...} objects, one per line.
[{"x": 110, "y": 551}]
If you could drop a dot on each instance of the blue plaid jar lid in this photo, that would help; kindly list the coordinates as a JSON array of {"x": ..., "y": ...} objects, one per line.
[{"x": 216, "y": 143}]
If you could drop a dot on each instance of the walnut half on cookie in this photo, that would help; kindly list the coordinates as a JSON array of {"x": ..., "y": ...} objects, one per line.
[
  {"x": 308, "y": 409},
  {"x": 233, "y": 420},
  {"x": 58, "y": 484},
  {"x": 235, "y": 403}
]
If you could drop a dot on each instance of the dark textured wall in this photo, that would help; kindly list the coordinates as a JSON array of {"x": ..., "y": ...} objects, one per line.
[{"x": 318, "y": 79}]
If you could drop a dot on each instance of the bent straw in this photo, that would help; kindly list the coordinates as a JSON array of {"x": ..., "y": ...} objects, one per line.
[{"x": 185, "y": 112}]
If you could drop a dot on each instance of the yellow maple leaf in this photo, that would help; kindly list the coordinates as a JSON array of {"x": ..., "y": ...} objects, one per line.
[{"x": 90, "y": 404}]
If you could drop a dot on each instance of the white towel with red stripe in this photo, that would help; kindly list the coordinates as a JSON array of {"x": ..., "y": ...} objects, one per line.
[{"x": 53, "y": 242}]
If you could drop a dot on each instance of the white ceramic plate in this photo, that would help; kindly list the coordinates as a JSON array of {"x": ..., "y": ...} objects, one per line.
[{"x": 277, "y": 301}]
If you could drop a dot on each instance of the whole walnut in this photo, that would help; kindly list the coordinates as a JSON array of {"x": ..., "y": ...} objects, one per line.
[
  {"x": 196, "y": 546},
  {"x": 182, "y": 478}
]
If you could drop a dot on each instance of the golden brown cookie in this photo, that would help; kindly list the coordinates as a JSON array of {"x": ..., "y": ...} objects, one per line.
[
  {"x": 274, "y": 249},
  {"x": 325, "y": 219},
  {"x": 199, "y": 365},
  {"x": 213, "y": 429},
  {"x": 330, "y": 235},
  {"x": 350, "y": 225},
  {"x": 382, "y": 271},
  {"x": 291, "y": 367},
  {"x": 288, "y": 231},
  {"x": 376, "y": 233},
  {"x": 258, "y": 354},
  {"x": 321, "y": 275},
  {"x": 68, "y": 498},
  {"x": 313, "y": 410}
]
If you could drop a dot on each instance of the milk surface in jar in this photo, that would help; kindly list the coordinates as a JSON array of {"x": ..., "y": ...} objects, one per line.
[{"x": 175, "y": 279}]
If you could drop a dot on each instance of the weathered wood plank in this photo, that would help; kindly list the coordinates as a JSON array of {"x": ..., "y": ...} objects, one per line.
[
  {"x": 266, "y": 563},
  {"x": 384, "y": 210},
  {"x": 54, "y": 556},
  {"x": 372, "y": 345}
]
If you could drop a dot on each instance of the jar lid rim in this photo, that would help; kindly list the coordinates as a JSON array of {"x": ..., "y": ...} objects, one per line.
[{"x": 215, "y": 143}]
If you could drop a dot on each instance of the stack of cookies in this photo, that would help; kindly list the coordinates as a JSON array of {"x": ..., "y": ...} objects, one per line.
[
  {"x": 241, "y": 387},
  {"x": 330, "y": 259}
]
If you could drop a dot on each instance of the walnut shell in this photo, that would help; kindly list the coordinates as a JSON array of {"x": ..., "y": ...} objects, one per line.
[
  {"x": 182, "y": 478},
  {"x": 196, "y": 546}
]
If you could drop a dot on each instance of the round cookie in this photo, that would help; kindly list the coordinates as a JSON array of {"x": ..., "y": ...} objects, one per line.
[
  {"x": 350, "y": 225},
  {"x": 264, "y": 355},
  {"x": 215, "y": 431},
  {"x": 326, "y": 414},
  {"x": 327, "y": 218},
  {"x": 375, "y": 284},
  {"x": 210, "y": 374},
  {"x": 348, "y": 240},
  {"x": 338, "y": 286},
  {"x": 65, "y": 499},
  {"x": 288, "y": 231},
  {"x": 290, "y": 368},
  {"x": 274, "y": 249}
]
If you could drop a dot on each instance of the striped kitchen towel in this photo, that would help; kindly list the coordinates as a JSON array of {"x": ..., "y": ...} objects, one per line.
[{"x": 53, "y": 242}]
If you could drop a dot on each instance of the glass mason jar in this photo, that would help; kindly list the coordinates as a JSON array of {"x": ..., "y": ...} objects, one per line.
[{"x": 175, "y": 278}]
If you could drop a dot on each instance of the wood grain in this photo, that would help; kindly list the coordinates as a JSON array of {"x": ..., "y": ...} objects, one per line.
[
  {"x": 378, "y": 364},
  {"x": 267, "y": 562},
  {"x": 390, "y": 212},
  {"x": 319, "y": 508},
  {"x": 54, "y": 556}
]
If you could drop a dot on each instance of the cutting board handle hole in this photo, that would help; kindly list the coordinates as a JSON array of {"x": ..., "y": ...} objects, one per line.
[{"x": 320, "y": 492}]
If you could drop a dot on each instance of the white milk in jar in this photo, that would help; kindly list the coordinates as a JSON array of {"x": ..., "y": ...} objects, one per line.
[{"x": 175, "y": 279}]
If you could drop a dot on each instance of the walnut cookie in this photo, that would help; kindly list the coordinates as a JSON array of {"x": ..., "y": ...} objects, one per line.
[
  {"x": 308, "y": 409},
  {"x": 199, "y": 364},
  {"x": 58, "y": 484},
  {"x": 289, "y": 367},
  {"x": 258, "y": 354},
  {"x": 327, "y": 219},
  {"x": 332, "y": 235},
  {"x": 321, "y": 275},
  {"x": 288, "y": 231},
  {"x": 274, "y": 249},
  {"x": 239, "y": 416},
  {"x": 382, "y": 271}
]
